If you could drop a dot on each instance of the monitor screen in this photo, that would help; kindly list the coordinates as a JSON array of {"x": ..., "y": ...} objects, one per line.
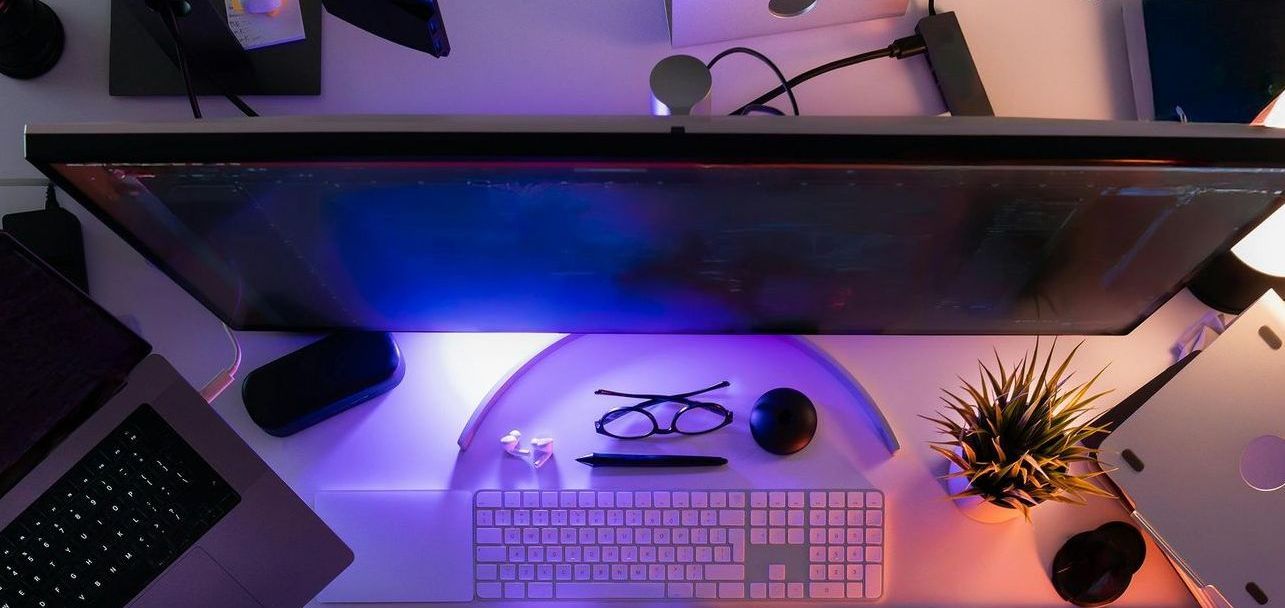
[
  {"x": 63, "y": 357},
  {"x": 653, "y": 242}
]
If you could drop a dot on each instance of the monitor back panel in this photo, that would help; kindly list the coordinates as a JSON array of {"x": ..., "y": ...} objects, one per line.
[{"x": 628, "y": 225}]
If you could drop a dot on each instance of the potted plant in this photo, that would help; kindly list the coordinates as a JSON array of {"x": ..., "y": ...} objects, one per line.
[{"x": 1013, "y": 438}]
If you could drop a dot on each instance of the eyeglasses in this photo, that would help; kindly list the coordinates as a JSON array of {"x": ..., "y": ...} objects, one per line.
[{"x": 637, "y": 422}]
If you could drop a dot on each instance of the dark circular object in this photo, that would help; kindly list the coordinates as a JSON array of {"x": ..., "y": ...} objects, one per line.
[
  {"x": 31, "y": 38},
  {"x": 1095, "y": 568},
  {"x": 1128, "y": 541},
  {"x": 1230, "y": 285},
  {"x": 783, "y": 421},
  {"x": 680, "y": 84}
]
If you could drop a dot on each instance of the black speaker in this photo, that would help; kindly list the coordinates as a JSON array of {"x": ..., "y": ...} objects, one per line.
[{"x": 31, "y": 38}]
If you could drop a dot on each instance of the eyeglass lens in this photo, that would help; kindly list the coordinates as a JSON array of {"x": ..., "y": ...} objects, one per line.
[
  {"x": 695, "y": 420},
  {"x": 628, "y": 424}
]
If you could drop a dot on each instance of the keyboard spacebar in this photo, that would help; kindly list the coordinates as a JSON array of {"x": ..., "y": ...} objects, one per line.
[{"x": 609, "y": 591}]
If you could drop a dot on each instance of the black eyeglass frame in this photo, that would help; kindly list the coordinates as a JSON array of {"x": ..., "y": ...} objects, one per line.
[{"x": 654, "y": 400}]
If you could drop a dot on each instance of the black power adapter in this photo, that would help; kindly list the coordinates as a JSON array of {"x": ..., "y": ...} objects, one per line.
[
  {"x": 953, "y": 67},
  {"x": 53, "y": 234},
  {"x": 939, "y": 37}
]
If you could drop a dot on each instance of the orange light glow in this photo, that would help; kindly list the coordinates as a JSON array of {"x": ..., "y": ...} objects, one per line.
[{"x": 1273, "y": 115}]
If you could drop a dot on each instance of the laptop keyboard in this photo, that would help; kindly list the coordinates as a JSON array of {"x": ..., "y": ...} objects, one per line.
[
  {"x": 114, "y": 522},
  {"x": 679, "y": 544}
]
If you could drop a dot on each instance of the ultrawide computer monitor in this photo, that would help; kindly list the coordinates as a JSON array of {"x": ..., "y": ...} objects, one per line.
[{"x": 670, "y": 225}]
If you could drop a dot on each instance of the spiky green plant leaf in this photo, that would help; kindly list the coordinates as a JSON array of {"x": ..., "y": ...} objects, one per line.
[{"x": 1015, "y": 435}]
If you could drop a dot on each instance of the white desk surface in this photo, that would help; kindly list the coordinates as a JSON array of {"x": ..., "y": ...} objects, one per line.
[{"x": 1052, "y": 58}]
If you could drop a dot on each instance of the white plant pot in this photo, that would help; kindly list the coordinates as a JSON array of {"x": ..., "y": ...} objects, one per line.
[{"x": 977, "y": 507}]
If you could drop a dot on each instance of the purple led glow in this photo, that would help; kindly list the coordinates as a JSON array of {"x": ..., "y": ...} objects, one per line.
[
  {"x": 554, "y": 398},
  {"x": 805, "y": 346}
]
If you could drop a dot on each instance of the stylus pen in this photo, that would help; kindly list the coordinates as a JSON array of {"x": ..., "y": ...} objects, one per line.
[{"x": 650, "y": 460}]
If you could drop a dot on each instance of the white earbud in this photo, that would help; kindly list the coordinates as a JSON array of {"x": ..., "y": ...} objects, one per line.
[{"x": 540, "y": 452}]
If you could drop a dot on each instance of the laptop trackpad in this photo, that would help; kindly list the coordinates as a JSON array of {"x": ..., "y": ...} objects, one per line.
[
  {"x": 409, "y": 546},
  {"x": 196, "y": 581}
]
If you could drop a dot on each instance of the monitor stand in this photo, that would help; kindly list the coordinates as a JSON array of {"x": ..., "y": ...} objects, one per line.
[{"x": 807, "y": 347}]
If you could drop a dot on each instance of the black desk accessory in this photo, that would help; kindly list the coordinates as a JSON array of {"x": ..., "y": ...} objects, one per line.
[
  {"x": 650, "y": 460},
  {"x": 321, "y": 380},
  {"x": 414, "y": 24},
  {"x": 144, "y": 61},
  {"x": 783, "y": 421},
  {"x": 953, "y": 67},
  {"x": 53, "y": 234},
  {"x": 31, "y": 38},
  {"x": 1095, "y": 568}
]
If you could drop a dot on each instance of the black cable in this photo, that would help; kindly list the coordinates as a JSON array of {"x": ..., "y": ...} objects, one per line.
[
  {"x": 900, "y": 49},
  {"x": 786, "y": 87},
  {"x": 51, "y": 198},
  {"x": 932, "y": 7},
  {"x": 813, "y": 73},
  {"x": 763, "y": 109},
  {"x": 171, "y": 23},
  {"x": 238, "y": 102}
]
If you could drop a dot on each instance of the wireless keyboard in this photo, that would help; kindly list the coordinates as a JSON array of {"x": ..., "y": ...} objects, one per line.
[{"x": 679, "y": 544}]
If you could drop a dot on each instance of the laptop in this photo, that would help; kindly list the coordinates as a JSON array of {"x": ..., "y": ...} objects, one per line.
[
  {"x": 1204, "y": 461},
  {"x": 119, "y": 485}
]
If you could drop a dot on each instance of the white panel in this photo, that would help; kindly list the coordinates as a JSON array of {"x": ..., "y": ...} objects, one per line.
[
  {"x": 409, "y": 546},
  {"x": 700, "y": 21}
]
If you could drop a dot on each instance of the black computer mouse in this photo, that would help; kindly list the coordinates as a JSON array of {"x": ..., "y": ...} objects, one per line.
[
  {"x": 783, "y": 421},
  {"x": 1095, "y": 568}
]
